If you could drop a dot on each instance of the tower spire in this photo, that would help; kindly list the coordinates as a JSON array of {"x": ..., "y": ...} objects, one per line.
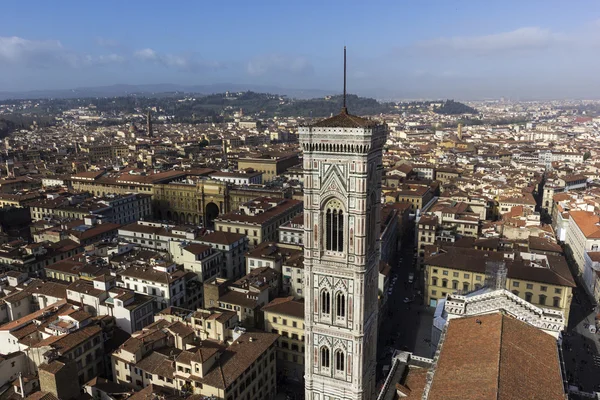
[{"x": 344, "y": 108}]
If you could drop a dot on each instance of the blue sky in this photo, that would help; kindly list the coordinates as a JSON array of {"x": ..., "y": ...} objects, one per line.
[{"x": 403, "y": 49}]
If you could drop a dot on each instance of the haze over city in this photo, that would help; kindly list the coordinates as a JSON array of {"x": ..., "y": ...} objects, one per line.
[
  {"x": 333, "y": 200},
  {"x": 432, "y": 49}
]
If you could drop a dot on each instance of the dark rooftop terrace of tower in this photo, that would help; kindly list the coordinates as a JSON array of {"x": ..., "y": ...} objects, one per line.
[{"x": 345, "y": 120}]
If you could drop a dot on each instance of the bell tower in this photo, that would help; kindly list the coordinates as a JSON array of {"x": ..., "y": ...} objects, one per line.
[{"x": 342, "y": 201}]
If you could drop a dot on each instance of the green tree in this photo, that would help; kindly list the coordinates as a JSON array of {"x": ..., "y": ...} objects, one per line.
[{"x": 587, "y": 155}]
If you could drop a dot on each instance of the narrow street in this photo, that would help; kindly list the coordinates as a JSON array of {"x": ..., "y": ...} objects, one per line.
[
  {"x": 405, "y": 326},
  {"x": 581, "y": 347}
]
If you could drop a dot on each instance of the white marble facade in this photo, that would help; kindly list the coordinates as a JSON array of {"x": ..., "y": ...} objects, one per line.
[{"x": 342, "y": 199}]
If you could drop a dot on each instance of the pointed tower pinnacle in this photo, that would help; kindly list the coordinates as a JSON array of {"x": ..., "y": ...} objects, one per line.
[{"x": 344, "y": 108}]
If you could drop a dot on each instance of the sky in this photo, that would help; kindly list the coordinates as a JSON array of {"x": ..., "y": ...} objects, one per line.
[{"x": 457, "y": 49}]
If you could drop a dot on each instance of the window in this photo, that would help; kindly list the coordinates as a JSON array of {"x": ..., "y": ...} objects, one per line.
[
  {"x": 515, "y": 292},
  {"x": 284, "y": 321},
  {"x": 444, "y": 282},
  {"x": 516, "y": 284},
  {"x": 340, "y": 305},
  {"x": 334, "y": 225},
  {"x": 325, "y": 302},
  {"x": 324, "y": 357},
  {"x": 478, "y": 278},
  {"x": 455, "y": 285},
  {"x": 435, "y": 270},
  {"x": 542, "y": 299},
  {"x": 556, "y": 302},
  {"x": 339, "y": 361},
  {"x": 434, "y": 281},
  {"x": 455, "y": 274},
  {"x": 557, "y": 291},
  {"x": 465, "y": 287},
  {"x": 275, "y": 319},
  {"x": 530, "y": 286},
  {"x": 543, "y": 288},
  {"x": 433, "y": 292},
  {"x": 444, "y": 272},
  {"x": 528, "y": 296},
  {"x": 466, "y": 276},
  {"x": 294, "y": 324}
]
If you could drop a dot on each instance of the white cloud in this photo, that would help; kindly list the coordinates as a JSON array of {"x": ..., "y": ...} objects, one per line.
[
  {"x": 182, "y": 62},
  {"x": 16, "y": 50},
  {"x": 45, "y": 53},
  {"x": 528, "y": 38},
  {"x": 271, "y": 63}
]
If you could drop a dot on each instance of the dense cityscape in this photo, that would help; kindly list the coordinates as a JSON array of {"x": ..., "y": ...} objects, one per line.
[
  {"x": 338, "y": 200},
  {"x": 144, "y": 255}
]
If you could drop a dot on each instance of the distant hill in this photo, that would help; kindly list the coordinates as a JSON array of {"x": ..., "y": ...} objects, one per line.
[
  {"x": 221, "y": 107},
  {"x": 160, "y": 89}
]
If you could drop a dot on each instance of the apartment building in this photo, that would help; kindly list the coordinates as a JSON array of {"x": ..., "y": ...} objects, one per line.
[
  {"x": 246, "y": 369},
  {"x": 417, "y": 196},
  {"x": 101, "y": 296},
  {"x": 34, "y": 257},
  {"x": 583, "y": 235},
  {"x": 161, "y": 280},
  {"x": 285, "y": 316},
  {"x": 245, "y": 296},
  {"x": 155, "y": 235},
  {"x": 292, "y": 232},
  {"x": 207, "y": 324},
  {"x": 270, "y": 164},
  {"x": 259, "y": 219},
  {"x": 233, "y": 246},
  {"x": 242, "y": 177},
  {"x": 542, "y": 280}
]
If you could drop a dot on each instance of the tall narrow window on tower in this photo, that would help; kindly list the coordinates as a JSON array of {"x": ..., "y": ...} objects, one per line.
[
  {"x": 340, "y": 304},
  {"x": 334, "y": 227},
  {"x": 325, "y": 302}
]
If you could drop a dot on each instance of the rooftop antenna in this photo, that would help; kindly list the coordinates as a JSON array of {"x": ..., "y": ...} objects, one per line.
[{"x": 344, "y": 109}]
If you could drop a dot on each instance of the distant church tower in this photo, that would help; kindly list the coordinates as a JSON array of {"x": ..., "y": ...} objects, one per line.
[
  {"x": 342, "y": 201},
  {"x": 149, "y": 123}
]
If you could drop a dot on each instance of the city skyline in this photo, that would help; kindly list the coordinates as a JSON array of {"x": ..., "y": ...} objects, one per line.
[{"x": 432, "y": 50}]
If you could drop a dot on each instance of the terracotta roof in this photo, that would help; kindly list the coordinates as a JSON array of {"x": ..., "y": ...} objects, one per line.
[
  {"x": 588, "y": 222},
  {"x": 465, "y": 259},
  {"x": 498, "y": 357},
  {"x": 220, "y": 237},
  {"x": 238, "y": 357},
  {"x": 345, "y": 120},
  {"x": 196, "y": 248},
  {"x": 543, "y": 244},
  {"x": 286, "y": 306}
]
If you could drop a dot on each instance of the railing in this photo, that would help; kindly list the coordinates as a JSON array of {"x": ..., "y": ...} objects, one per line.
[
  {"x": 388, "y": 380},
  {"x": 431, "y": 372}
]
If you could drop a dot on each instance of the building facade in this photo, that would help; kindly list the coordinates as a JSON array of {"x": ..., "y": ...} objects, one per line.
[{"x": 342, "y": 199}]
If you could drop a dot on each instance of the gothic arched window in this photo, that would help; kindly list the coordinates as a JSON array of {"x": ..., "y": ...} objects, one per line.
[
  {"x": 340, "y": 304},
  {"x": 325, "y": 302},
  {"x": 339, "y": 360},
  {"x": 324, "y": 357},
  {"x": 334, "y": 226}
]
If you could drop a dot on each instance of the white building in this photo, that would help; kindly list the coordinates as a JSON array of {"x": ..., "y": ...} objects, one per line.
[
  {"x": 292, "y": 232},
  {"x": 342, "y": 201},
  {"x": 153, "y": 235},
  {"x": 161, "y": 280},
  {"x": 583, "y": 235},
  {"x": 239, "y": 178}
]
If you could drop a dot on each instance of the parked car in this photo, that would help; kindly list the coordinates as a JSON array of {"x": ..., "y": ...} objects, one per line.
[
  {"x": 408, "y": 300},
  {"x": 411, "y": 277}
]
